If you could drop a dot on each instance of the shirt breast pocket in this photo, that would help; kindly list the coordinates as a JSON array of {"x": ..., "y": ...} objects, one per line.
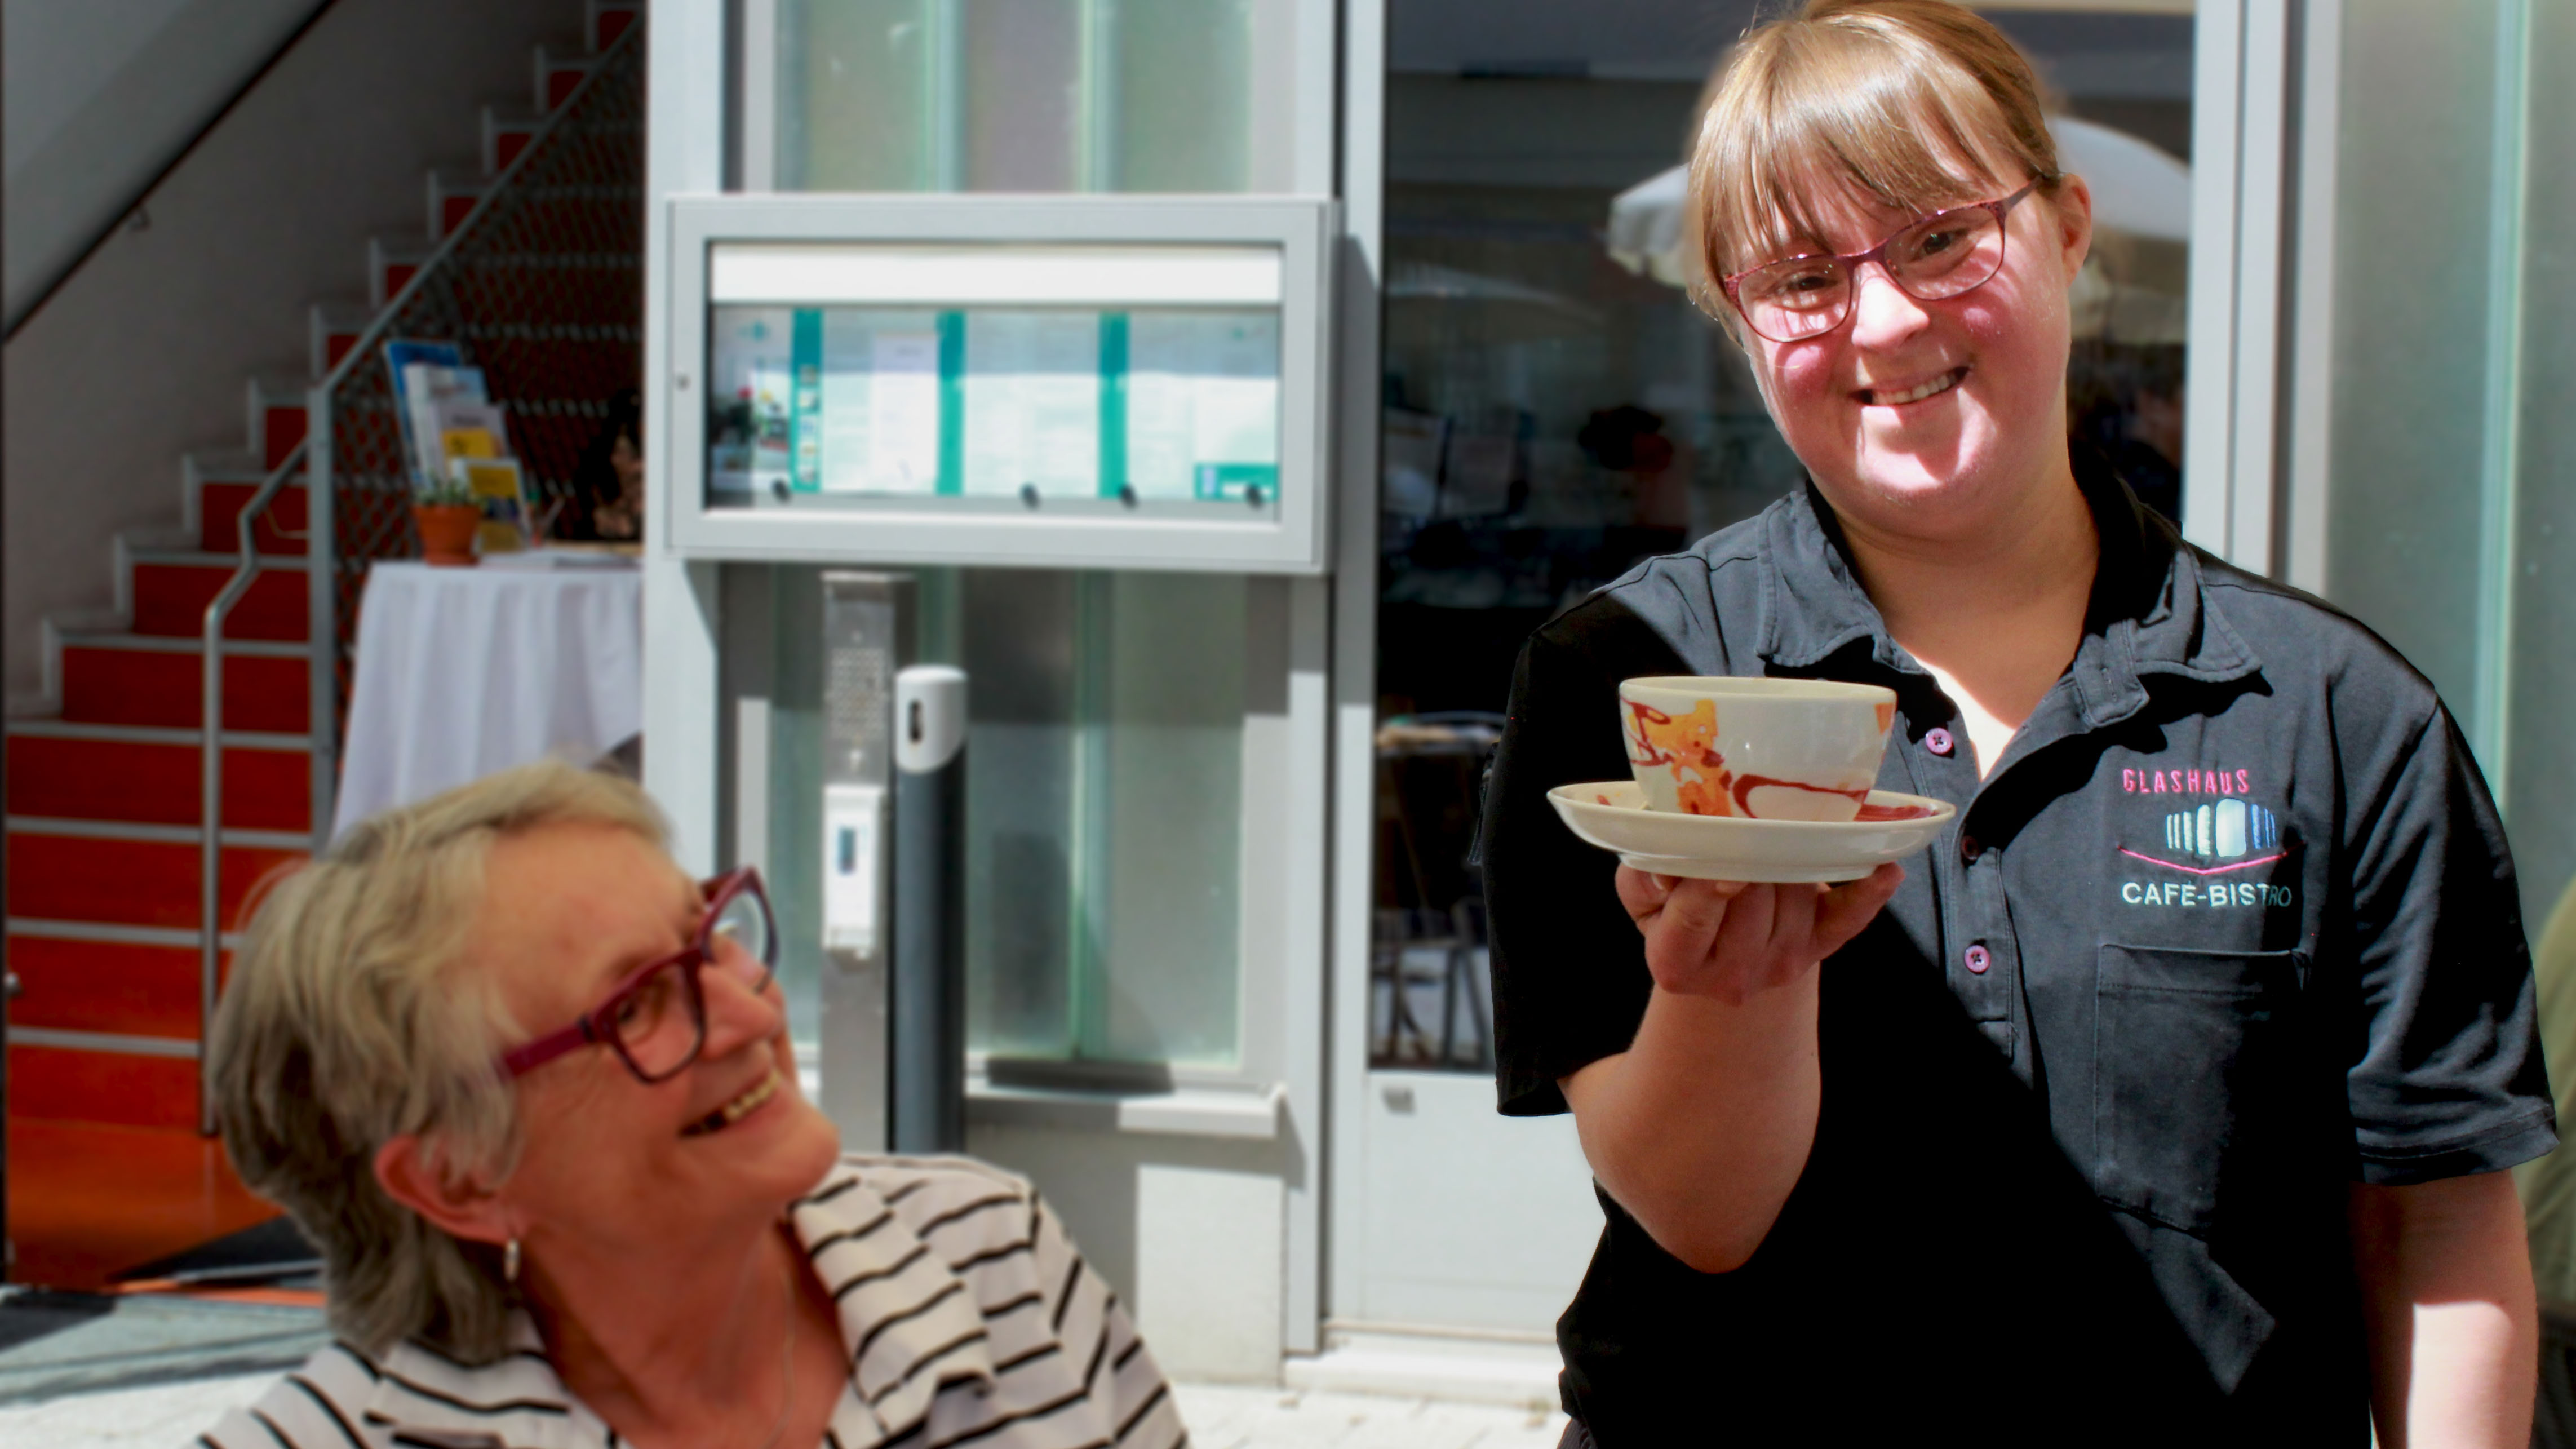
[{"x": 2191, "y": 1051}]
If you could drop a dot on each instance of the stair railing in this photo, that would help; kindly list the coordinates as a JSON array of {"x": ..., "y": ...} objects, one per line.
[
  {"x": 210, "y": 762},
  {"x": 540, "y": 285},
  {"x": 526, "y": 265}
]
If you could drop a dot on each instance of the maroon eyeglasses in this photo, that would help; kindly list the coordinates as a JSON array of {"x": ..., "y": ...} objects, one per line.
[
  {"x": 1942, "y": 255},
  {"x": 656, "y": 1017}
]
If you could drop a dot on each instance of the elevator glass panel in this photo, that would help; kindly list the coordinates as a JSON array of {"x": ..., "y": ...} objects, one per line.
[{"x": 1106, "y": 770}]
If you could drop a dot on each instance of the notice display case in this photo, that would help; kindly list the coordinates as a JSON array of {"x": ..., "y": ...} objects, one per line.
[{"x": 1060, "y": 381}]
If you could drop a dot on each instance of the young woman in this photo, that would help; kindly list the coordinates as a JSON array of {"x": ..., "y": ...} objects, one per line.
[{"x": 2163, "y": 1101}]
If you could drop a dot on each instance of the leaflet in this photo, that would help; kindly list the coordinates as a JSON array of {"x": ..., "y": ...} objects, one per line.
[{"x": 1032, "y": 403}]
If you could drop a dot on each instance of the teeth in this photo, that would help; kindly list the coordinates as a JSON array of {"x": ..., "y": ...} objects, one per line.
[
  {"x": 735, "y": 1110},
  {"x": 1943, "y": 383}
]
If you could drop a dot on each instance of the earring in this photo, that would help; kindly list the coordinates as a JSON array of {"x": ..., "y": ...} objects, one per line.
[{"x": 510, "y": 1262}]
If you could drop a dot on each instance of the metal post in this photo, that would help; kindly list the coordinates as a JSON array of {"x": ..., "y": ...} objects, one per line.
[
  {"x": 867, "y": 639},
  {"x": 928, "y": 1036}
]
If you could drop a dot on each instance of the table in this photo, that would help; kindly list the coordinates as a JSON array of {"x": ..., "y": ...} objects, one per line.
[{"x": 464, "y": 671}]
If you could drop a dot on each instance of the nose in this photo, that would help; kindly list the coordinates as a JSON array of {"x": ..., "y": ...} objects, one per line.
[
  {"x": 1882, "y": 313},
  {"x": 741, "y": 1007}
]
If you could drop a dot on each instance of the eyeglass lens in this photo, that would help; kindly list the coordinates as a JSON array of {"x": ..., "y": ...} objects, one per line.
[
  {"x": 1940, "y": 256},
  {"x": 661, "y": 1024},
  {"x": 744, "y": 922}
]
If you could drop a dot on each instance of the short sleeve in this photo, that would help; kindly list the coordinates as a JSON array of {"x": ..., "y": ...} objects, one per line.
[
  {"x": 1569, "y": 969},
  {"x": 2447, "y": 1077}
]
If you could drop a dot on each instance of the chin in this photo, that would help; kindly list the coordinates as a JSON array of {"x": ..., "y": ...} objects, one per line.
[{"x": 807, "y": 1146}]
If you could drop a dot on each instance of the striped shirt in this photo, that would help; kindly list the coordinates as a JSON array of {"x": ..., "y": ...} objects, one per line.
[{"x": 970, "y": 1321}]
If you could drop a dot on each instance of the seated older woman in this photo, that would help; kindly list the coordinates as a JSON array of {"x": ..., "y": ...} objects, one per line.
[{"x": 530, "y": 1089}]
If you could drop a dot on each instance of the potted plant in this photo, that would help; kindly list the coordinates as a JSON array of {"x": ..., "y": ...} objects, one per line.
[{"x": 446, "y": 515}]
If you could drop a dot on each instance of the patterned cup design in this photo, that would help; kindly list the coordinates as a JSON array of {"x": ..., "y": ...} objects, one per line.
[{"x": 1764, "y": 749}]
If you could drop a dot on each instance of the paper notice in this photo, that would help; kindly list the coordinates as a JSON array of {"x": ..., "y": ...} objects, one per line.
[
  {"x": 1032, "y": 390},
  {"x": 903, "y": 413},
  {"x": 1202, "y": 390},
  {"x": 880, "y": 402}
]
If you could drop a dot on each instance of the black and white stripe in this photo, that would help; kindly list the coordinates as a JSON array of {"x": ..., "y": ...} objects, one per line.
[{"x": 970, "y": 1320}]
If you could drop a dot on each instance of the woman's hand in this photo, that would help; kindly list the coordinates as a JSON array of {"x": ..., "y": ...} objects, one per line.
[{"x": 1731, "y": 940}]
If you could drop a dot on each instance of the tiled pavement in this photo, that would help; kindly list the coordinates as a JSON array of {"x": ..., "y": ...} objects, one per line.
[{"x": 1220, "y": 1417}]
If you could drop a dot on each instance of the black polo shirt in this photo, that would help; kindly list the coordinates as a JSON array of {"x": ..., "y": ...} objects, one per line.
[{"x": 2231, "y": 925}]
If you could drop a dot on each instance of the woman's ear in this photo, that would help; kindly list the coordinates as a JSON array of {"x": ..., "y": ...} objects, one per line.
[
  {"x": 414, "y": 1174},
  {"x": 2073, "y": 207}
]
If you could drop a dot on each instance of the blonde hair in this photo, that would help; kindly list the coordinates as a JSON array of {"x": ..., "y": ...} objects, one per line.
[
  {"x": 351, "y": 1018},
  {"x": 1911, "y": 101}
]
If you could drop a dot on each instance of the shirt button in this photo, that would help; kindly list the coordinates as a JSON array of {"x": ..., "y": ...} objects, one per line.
[
  {"x": 1969, "y": 849},
  {"x": 1938, "y": 741},
  {"x": 1977, "y": 960}
]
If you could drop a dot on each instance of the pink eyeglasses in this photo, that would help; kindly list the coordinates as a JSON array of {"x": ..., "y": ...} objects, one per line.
[
  {"x": 656, "y": 1017},
  {"x": 1941, "y": 255}
]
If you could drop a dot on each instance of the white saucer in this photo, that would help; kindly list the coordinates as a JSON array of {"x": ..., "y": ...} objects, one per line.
[{"x": 1613, "y": 815}]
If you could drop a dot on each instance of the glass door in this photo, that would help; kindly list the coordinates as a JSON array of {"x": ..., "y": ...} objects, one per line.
[{"x": 1554, "y": 409}]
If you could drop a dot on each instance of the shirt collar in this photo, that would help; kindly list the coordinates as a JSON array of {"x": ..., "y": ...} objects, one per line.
[
  {"x": 870, "y": 1240},
  {"x": 2149, "y": 613}
]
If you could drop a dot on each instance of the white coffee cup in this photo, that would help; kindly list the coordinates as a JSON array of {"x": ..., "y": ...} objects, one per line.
[{"x": 1768, "y": 749}]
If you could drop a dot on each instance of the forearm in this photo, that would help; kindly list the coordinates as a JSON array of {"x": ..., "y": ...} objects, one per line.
[
  {"x": 1702, "y": 1127},
  {"x": 2448, "y": 1308}
]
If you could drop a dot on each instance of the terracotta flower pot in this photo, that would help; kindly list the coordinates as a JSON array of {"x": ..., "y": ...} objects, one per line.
[{"x": 447, "y": 532}]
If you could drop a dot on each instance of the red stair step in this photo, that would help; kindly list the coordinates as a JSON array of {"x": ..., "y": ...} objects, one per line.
[
  {"x": 59, "y": 1084},
  {"x": 276, "y": 418},
  {"x": 451, "y": 200},
  {"x": 504, "y": 137},
  {"x": 331, "y": 329},
  {"x": 170, "y": 601},
  {"x": 610, "y": 20},
  {"x": 164, "y": 687},
  {"x": 390, "y": 267},
  {"x": 157, "y": 784},
  {"x": 117, "y": 987},
  {"x": 127, "y": 882},
  {"x": 558, "y": 76},
  {"x": 281, "y": 428},
  {"x": 219, "y": 505}
]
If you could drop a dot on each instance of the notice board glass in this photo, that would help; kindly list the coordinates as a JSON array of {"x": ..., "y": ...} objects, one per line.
[
  {"x": 1091, "y": 382},
  {"x": 1025, "y": 406}
]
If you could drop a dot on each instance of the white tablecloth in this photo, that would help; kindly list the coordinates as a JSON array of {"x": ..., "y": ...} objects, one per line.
[{"x": 464, "y": 671}]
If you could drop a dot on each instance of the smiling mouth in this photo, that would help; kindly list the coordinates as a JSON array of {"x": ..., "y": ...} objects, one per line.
[
  {"x": 1872, "y": 398},
  {"x": 737, "y": 1109}
]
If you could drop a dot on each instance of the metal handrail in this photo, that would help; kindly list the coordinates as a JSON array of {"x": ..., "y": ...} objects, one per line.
[
  {"x": 210, "y": 761},
  {"x": 321, "y": 489},
  {"x": 143, "y": 194}
]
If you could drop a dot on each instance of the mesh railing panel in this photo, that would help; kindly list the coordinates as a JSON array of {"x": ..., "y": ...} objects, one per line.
[{"x": 542, "y": 287}]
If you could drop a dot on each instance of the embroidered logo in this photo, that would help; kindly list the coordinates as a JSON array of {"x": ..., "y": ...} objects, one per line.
[
  {"x": 2227, "y": 830},
  {"x": 2209, "y": 845}
]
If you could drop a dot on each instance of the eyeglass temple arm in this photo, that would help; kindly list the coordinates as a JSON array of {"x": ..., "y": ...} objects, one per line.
[{"x": 528, "y": 1056}]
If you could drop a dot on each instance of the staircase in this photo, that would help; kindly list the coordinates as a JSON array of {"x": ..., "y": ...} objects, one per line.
[{"x": 102, "y": 782}]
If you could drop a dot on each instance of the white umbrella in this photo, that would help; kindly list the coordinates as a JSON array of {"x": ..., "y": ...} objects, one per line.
[{"x": 2137, "y": 189}]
